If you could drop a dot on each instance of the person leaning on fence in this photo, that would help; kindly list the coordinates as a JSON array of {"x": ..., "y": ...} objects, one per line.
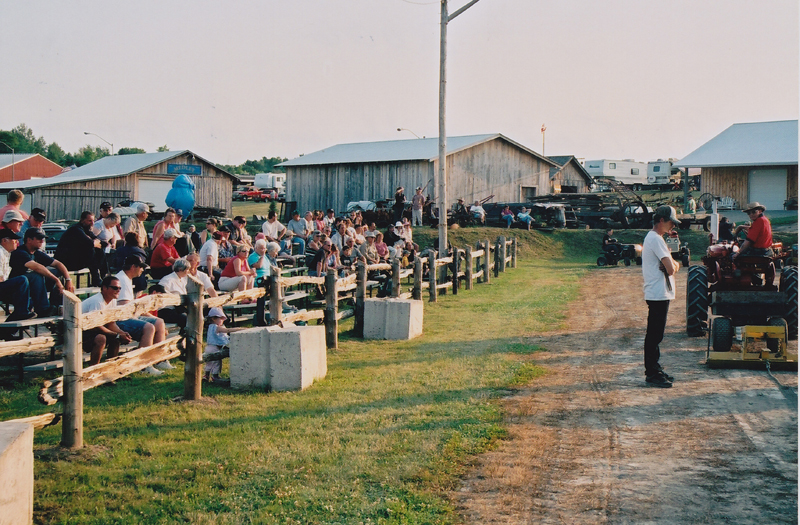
[
  {"x": 16, "y": 290},
  {"x": 36, "y": 219},
  {"x": 147, "y": 329},
  {"x": 175, "y": 283},
  {"x": 217, "y": 338},
  {"x": 164, "y": 255},
  {"x": 109, "y": 335},
  {"x": 43, "y": 272},
  {"x": 135, "y": 223}
]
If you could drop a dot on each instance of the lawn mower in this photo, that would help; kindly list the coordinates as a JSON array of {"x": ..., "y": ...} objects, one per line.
[{"x": 615, "y": 252}]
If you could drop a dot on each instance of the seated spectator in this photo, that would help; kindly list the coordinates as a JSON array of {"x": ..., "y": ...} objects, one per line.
[
  {"x": 237, "y": 234},
  {"x": 359, "y": 236},
  {"x": 14, "y": 199},
  {"x": 348, "y": 258},
  {"x": 147, "y": 329},
  {"x": 12, "y": 219},
  {"x": 209, "y": 255},
  {"x": 237, "y": 274},
  {"x": 175, "y": 283},
  {"x": 16, "y": 290},
  {"x": 507, "y": 215},
  {"x": 524, "y": 216},
  {"x": 477, "y": 212},
  {"x": 368, "y": 250},
  {"x": 274, "y": 230},
  {"x": 36, "y": 219},
  {"x": 313, "y": 245},
  {"x": 318, "y": 265},
  {"x": 380, "y": 246},
  {"x": 107, "y": 230},
  {"x": 194, "y": 238},
  {"x": 273, "y": 249},
  {"x": 194, "y": 263},
  {"x": 170, "y": 221},
  {"x": 135, "y": 223},
  {"x": 259, "y": 262},
  {"x": 211, "y": 227},
  {"x": 298, "y": 227},
  {"x": 227, "y": 251},
  {"x": 164, "y": 255},
  {"x": 76, "y": 248},
  {"x": 330, "y": 218},
  {"x": 30, "y": 260},
  {"x": 340, "y": 237},
  {"x": 132, "y": 247},
  {"x": 110, "y": 334}
]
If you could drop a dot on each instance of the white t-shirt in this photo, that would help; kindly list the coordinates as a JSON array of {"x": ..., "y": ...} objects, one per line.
[
  {"x": 96, "y": 302},
  {"x": 173, "y": 284},
  {"x": 203, "y": 278},
  {"x": 655, "y": 281},
  {"x": 126, "y": 287},
  {"x": 109, "y": 235},
  {"x": 210, "y": 248},
  {"x": 272, "y": 229}
]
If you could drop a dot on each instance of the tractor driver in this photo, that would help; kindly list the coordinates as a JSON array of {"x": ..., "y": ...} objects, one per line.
[
  {"x": 759, "y": 235},
  {"x": 610, "y": 244}
]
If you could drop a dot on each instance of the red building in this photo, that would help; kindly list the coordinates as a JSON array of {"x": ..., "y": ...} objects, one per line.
[{"x": 25, "y": 166}]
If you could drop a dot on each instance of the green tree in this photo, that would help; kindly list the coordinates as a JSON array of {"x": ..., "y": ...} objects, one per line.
[
  {"x": 55, "y": 153},
  {"x": 163, "y": 148},
  {"x": 130, "y": 151},
  {"x": 86, "y": 154}
]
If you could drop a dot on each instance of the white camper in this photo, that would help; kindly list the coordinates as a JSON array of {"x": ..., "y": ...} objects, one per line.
[
  {"x": 661, "y": 172},
  {"x": 270, "y": 181},
  {"x": 628, "y": 172}
]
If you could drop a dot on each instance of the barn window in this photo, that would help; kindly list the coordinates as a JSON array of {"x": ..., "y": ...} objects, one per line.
[{"x": 612, "y": 165}]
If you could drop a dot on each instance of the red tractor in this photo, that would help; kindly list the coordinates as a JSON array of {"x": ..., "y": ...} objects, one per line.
[{"x": 740, "y": 292}]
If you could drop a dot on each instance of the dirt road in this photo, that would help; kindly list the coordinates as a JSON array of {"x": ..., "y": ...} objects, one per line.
[{"x": 590, "y": 443}]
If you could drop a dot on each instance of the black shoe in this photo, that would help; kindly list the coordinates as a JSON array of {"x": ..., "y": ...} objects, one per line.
[
  {"x": 667, "y": 376},
  {"x": 12, "y": 336},
  {"x": 659, "y": 381},
  {"x": 21, "y": 317}
]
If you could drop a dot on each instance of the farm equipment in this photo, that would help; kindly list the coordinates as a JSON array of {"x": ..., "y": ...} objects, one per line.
[
  {"x": 616, "y": 252},
  {"x": 743, "y": 298},
  {"x": 680, "y": 252}
]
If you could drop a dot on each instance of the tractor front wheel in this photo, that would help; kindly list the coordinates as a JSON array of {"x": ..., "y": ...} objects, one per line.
[
  {"x": 602, "y": 261},
  {"x": 722, "y": 334},
  {"x": 696, "y": 300}
]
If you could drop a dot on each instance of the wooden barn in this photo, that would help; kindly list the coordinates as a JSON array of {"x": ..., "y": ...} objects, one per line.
[
  {"x": 145, "y": 177},
  {"x": 570, "y": 177},
  {"x": 750, "y": 162},
  {"x": 25, "y": 166},
  {"x": 478, "y": 166}
]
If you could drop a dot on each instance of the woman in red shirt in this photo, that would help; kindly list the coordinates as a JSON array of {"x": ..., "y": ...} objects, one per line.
[{"x": 237, "y": 274}]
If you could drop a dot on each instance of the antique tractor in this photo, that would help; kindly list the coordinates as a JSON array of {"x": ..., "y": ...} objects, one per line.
[
  {"x": 742, "y": 293},
  {"x": 680, "y": 252},
  {"x": 616, "y": 252}
]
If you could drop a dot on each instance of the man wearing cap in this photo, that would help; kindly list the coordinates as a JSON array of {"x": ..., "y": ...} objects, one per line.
[
  {"x": 658, "y": 270},
  {"x": 368, "y": 250},
  {"x": 12, "y": 219},
  {"x": 417, "y": 203},
  {"x": 298, "y": 226},
  {"x": 330, "y": 219},
  {"x": 135, "y": 223},
  {"x": 759, "y": 235},
  {"x": 36, "y": 219},
  {"x": 16, "y": 290},
  {"x": 164, "y": 255},
  {"x": 30, "y": 260},
  {"x": 76, "y": 248},
  {"x": 147, "y": 329}
]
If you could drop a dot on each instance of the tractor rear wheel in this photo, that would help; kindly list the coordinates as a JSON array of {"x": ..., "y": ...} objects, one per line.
[
  {"x": 696, "y": 300},
  {"x": 789, "y": 287},
  {"x": 722, "y": 334},
  {"x": 602, "y": 261}
]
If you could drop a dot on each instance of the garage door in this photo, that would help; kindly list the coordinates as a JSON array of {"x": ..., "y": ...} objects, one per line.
[
  {"x": 154, "y": 191},
  {"x": 768, "y": 187}
]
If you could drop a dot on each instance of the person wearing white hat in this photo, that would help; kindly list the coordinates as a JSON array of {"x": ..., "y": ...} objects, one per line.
[
  {"x": 759, "y": 235},
  {"x": 135, "y": 223},
  {"x": 216, "y": 339}
]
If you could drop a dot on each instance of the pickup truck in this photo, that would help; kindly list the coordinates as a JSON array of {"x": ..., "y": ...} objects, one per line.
[{"x": 254, "y": 194}]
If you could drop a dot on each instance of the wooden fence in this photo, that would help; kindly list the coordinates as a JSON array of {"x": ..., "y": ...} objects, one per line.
[{"x": 443, "y": 274}]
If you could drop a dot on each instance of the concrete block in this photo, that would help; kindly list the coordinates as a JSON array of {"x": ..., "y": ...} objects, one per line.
[
  {"x": 297, "y": 357},
  {"x": 392, "y": 318},
  {"x": 16, "y": 473},
  {"x": 288, "y": 358}
]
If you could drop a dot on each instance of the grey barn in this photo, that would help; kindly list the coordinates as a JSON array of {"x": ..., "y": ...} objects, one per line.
[{"x": 478, "y": 166}]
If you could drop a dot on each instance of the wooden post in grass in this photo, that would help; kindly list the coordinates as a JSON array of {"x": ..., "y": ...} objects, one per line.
[
  {"x": 361, "y": 294},
  {"x": 432, "y": 271},
  {"x": 331, "y": 310},
  {"x": 502, "y": 242},
  {"x": 497, "y": 258},
  {"x": 487, "y": 261},
  {"x": 416, "y": 293},
  {"x": 468, "y": 267},
  {"x": 72, "y": 424},
  {"x": 456, "y": 268},
  {"x": 275, "y": 299},
  {"x": 395, "y": 277},
  {"x": 193, "y": 369},
  {"x": 514, "y": 252}
]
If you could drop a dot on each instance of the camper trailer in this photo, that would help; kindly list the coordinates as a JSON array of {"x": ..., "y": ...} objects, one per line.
[
  {"x": 628, "y": 172},
  {"x": 660, "y": 172},
  {"x": 275, "y": 181}
]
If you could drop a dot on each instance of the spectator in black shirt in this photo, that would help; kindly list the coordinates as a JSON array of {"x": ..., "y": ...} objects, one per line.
[
  {"x": 80, "y": 248},
  {"x": 31, "y": 261}
]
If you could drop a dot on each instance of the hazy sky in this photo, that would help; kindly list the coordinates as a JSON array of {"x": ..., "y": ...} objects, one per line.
[{"x": 234, "y": 80}]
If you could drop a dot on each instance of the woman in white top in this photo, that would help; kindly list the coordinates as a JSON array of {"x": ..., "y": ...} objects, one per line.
[{"x": 175, "y": 282}]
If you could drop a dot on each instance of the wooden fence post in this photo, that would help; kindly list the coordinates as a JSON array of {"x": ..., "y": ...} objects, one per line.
[
  {"x": 487, "y": 261},
  {"x": 331, "y": 310},
  {"x": 193, "y": 369},
  {"x": 514, "y": 252},
  {"x": 503, "y": 245},
  {"x": 361, "y": 294},
  {"x": 456, "y": 268},
  {"x": 432, "y": 271},
  {"x": 275, "y": 299},
  {"x": 72, "y": 424},
  {"x": 395, "y": 277},
  {"x": 416, "y": 293},
  {"x": 497, "y": 258},
  {"x": 468, "y": 267}
]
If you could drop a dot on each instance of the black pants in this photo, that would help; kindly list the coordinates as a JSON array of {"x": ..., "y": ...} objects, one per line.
[{"x": 656, "y": 323}]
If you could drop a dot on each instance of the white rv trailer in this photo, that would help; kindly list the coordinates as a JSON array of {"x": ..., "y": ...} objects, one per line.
[
  {"x": 628, "y": 172},
  {"x": 270, "y": 180},
  {"x": 661, "y": 172}
]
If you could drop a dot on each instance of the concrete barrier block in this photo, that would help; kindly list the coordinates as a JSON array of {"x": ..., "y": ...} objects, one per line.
[
  {"x": 392, "y": 318},
  {"x": 298, "y": 356},
  {"x": 16, "y": 473},
  {"x": 249, "y": 360}
]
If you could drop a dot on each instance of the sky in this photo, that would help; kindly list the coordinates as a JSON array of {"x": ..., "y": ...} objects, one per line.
[{"x": 239, "y": 80}]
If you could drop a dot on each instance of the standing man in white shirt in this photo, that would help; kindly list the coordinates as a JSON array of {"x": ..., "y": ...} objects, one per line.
[
  {"x": 658, "y": 269},
  {"x": 417, "y": 203}
]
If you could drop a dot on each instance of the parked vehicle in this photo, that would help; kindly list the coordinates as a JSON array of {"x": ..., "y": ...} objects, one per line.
[
  {"x": 276, "y": 181},
  {"x": 616, "y": 252},
  {"x": 629, "y": 172},
  {"x": 661, "y": 173}
]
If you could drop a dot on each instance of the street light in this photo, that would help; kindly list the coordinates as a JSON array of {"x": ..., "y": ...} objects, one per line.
[
  {"x": 101, "y": 138},
  {"x": 406, "y": 129},
  {"x": 12, "y": 158}
]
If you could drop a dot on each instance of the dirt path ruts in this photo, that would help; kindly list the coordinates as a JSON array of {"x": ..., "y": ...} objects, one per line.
[{"x": 590, "y": 443}]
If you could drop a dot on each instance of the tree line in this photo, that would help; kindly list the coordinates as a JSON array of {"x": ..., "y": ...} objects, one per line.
[{"x": 22, "y": 140}]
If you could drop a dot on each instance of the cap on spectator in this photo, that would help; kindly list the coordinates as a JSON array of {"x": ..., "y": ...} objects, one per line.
[
  {"x": 135, "y": 260},
  {"x": 5, "y": 233},
  {"x": 398, "y": 223},
  {"x": 749, "y": 207},
  {"x": 216, "y": 312},
  {"x": 295, "y": 212},
  {"x": 316, "y": 233},
  {"x": 169, "y": 233},
  {"x": 38, "y": 214},
  {"x": 369, "y": 234},
  {"x": 142, "y": 208},
  {"x": 461, "y": 199},
  {"x": 330, "y": 210},
  {"x": 105, "y": 205},
  {"x": 13, "y": 215},
  {"x": 179, "y": 212},
  {"x": 391, "y": 226},
  {"x": 419, "y": 188},
  {"x": 666, "y": 212},
  {"x": 35, "y": 233}
]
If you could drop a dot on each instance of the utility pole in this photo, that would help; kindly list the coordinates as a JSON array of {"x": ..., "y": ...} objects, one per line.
[
  {"x": 442, "y": 171},
  {"x": 543, "y": 130}
]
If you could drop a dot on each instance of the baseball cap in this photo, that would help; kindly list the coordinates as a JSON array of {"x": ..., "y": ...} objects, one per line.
[
  {"x": 666, "y": 212},
  {"x": 179, "y": 212},
  {"x": 142, "y": 207},
  {"x": 105, "y": 205},
  {"x": 5, "y": 233},
  {"x": 13, "y": 215},
  {"x": 38, "y": 214},
  {"x": 35, "y": 233},
  {"x": 135, "y": 260},
  {"x": 398, "y": 223}
]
